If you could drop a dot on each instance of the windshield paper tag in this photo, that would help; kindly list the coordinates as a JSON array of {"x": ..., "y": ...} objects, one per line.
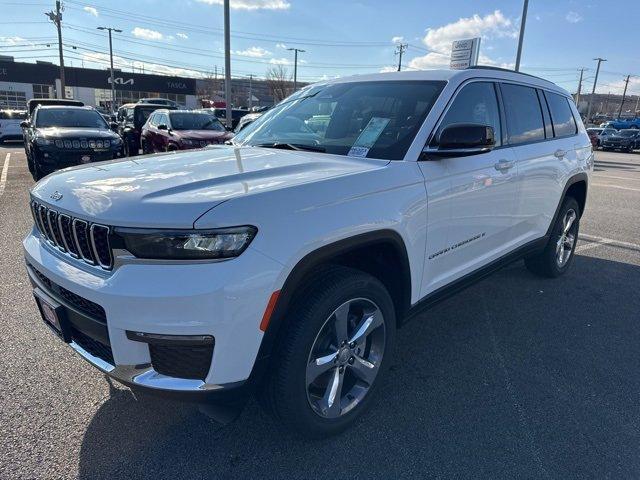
[{"x": 368, "y": 137}]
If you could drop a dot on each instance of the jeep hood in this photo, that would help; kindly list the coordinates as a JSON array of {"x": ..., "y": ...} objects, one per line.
[{"x": 173, "y": 190}]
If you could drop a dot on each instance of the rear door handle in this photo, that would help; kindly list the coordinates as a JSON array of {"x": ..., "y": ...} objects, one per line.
[
  {"x": 503, "y": 165},
  {"x": 559, "y": 153}
]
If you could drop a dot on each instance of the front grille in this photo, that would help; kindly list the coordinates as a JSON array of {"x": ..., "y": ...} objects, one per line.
[
  {"x": 84, "y": 144},
  {"x": 94, "y": 347},
  {"x": 192, "y": 361},
  {"x": 78, "y": 238},
  {"x": 87, "y": 307}
]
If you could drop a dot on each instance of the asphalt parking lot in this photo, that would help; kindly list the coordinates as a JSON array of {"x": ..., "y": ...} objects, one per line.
[{"x": 516, "y": 377}]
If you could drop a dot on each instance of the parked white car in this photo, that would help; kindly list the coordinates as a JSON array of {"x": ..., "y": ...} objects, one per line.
[
  {"x": 284, "y": 264},
  {"x": 10, "y": 128}
]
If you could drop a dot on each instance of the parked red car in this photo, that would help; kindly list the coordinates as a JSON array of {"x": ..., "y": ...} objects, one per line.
[{"x": 167, "y": 130}]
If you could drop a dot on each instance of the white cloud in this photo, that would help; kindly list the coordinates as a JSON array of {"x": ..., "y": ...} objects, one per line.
[
  {"x": 147, "y": 33},
  {"x": 281, "y": 45},
  {"x": 91, "y": 10},
  {"x": 256, "y": 52},
  {"x": 573, "y": 17},
  {"x": 388, "y": 68},
  {"x": 183, "y": 36},
  {"x": 252, "y": 4},
  {"x": 397, "y": 39},
  {"x": 280, "y": 61},
  {"x": 12, "y": 40},
  {"x": 439, "y": 40}
]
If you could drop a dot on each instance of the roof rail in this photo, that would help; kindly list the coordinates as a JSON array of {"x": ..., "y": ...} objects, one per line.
[{"x": 500, "y": 69}]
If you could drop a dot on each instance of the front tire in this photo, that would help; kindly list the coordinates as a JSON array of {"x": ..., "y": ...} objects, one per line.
[
  {"x": 333, "y": 354},
  {"x": 557, "y": 256}
]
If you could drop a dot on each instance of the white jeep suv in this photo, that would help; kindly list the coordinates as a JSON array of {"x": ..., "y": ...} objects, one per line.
[{"x": 283, "y": 264}]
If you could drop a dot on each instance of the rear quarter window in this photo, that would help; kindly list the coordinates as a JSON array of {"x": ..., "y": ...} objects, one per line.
[{"x": 563, "y": 122}]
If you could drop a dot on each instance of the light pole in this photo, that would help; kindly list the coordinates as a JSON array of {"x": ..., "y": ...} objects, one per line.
[
  {"x": 399, "y": 51},
  {"x": 523, "y": 22},
  {"x": 593, "y": 91},
  {"x": 227, "y": 65},
  {"x": 295, "y": 66},
  {"x": 113, "y": 83}
]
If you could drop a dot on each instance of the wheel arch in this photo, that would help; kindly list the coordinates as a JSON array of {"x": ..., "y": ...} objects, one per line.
[
  {"x": 371, "y": 252},
  {"x": 576, "y": 187}
]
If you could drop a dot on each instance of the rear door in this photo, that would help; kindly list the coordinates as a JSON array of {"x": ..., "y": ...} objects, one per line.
[
  {"x": 542, "y": 132},
  {"x": 471, "y": 199}
]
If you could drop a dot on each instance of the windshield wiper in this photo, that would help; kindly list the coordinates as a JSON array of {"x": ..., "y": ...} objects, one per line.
[{"x": 292, "y": 146}]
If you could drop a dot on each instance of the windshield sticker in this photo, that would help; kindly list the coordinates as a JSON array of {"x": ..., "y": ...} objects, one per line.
[
  {"x": 368, "y": 137},
  {"x": 358, "y": 151}
]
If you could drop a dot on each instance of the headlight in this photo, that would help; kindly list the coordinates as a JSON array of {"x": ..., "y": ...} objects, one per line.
[
  {"x": 116, "y": 142},
  {"x": 43, "y": 142},
  {"x": 187, "y": 244},
  {"x": 186, "y": 141}
]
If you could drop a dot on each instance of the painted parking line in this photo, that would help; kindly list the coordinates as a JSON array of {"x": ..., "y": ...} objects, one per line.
[
  {"x": 596, "y": 241},
  {"x": 597, "y": 175},
  {"x": 5, "y": 171},
  {"x": 619, "y": 187}
]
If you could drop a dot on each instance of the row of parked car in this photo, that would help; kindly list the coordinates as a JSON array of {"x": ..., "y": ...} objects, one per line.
[
  {"x": 606, "y": 138},
  {"x": 63, "y": 133}
]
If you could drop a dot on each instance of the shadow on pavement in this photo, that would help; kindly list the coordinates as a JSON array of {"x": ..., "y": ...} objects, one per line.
[{"x": 516, "y": 377}]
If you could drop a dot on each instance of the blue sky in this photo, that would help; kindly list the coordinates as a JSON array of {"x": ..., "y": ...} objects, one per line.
[{"x": 340, "y": 37}]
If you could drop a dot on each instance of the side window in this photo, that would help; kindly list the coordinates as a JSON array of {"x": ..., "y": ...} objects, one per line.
[
  {"x": 563, "y": 122},
  {"x": 476, "y": 103},
  {"x": 162, "y": 119},
  {"x": 152, "y": 120},
  {"x": 524, "y": 116}
]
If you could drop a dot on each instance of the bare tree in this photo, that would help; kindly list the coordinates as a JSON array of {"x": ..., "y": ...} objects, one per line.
[{"x": 279, "y": 82}]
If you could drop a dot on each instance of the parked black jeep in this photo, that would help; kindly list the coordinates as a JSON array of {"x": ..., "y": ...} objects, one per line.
[{"x": 133, "y": 118}]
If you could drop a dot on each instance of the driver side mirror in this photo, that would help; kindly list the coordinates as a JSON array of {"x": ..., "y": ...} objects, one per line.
[
  {"x": 162, "y": 126},
  {"x": 25, "y": 124},
  {"x": 463, "y": 139},
  {"x": 113, "y": 126}
]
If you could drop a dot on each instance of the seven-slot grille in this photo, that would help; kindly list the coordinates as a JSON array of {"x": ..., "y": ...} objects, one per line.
[{"x": 79, "y": 238}]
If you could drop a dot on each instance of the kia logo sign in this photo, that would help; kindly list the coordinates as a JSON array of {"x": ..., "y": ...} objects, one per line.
[{"x": 120, "y": 81}]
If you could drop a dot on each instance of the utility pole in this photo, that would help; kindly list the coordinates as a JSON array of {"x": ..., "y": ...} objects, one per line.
[
  {"x": 624, "y": 94},
  {"x": 593, "y": 91},
  {"x": 399, "y": 51},
  {"x": 113, "y": 83},
  {"x": 56, "y": 18},
  {"x": 250, "y": 91},
  {"x": 227, "y": 65},
  {"x": 295, "y": 66},
  {"x": 523, "y": 23},
  {"x": 579, "y": 87}
]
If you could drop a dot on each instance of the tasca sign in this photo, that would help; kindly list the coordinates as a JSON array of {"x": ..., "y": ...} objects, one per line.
[{"x": 464, "y": 53}]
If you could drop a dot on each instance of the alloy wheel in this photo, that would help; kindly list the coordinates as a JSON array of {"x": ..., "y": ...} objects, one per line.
[
  {"x": 345, "y": 358},
  {"x": 564, "y": 247}
]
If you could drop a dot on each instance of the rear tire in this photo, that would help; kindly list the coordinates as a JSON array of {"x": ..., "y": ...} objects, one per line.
[
  {"x": 557, "y": 256},
  {"x": 319, "y": 404}
]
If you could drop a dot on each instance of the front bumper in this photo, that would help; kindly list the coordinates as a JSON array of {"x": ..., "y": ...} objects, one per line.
[
  {"x": 224, "y": 300},
  {"x": 52, "y": 159}
]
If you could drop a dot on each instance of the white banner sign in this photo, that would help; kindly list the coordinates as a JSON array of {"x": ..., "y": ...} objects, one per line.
[{"x": 464, "y": 53}]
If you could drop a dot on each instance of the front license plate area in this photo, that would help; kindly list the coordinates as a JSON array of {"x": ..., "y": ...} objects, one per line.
[{"x": 53, "y": 314}]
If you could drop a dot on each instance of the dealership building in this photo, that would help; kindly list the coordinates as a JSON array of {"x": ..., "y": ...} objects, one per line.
[{"x": 19, "y": 82}]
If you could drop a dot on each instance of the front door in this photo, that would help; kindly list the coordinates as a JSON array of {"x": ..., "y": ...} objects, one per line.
[{"x": 471, "y": 199}]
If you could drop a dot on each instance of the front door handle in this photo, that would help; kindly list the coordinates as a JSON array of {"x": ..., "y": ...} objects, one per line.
[
  {"x": 559, "y": 153},
  {"x": 503, "y": 165}
]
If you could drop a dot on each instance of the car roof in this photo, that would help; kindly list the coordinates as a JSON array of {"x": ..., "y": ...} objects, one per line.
[
  {"x": 64, "y": 107},
  {"x": 459, "y": 76}
]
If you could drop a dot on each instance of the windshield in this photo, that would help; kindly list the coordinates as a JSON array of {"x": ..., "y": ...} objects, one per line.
[
  {"x": 365, "y": 119},
  {"x": 69, "y": 118},
  {"x": 195, "y": 121},
  {"x": 627, "y": 133}
]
